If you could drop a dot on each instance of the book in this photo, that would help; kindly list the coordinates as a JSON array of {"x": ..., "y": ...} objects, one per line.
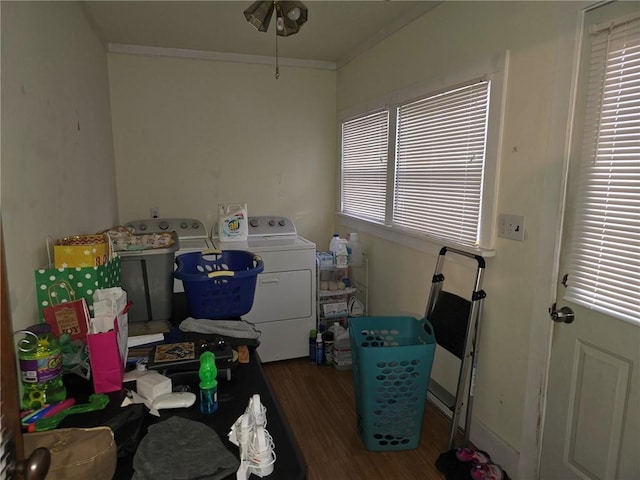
[
  {"x": 137, "y": 340},
  {"x": 172, "y": 355},
  {"x": 186, "y": 356}
]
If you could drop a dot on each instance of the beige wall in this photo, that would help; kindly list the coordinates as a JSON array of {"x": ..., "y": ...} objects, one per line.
[
  {"x": 190, "y": 134},
  {"x": 445, "y": 40},
  {"x": 58, "y": 175}
]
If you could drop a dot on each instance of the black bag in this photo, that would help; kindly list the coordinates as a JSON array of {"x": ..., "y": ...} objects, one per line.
[{"x": 127, "y": 424}]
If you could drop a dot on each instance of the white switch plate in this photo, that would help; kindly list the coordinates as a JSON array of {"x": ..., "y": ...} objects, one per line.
[{"x": 511, "y": 226}]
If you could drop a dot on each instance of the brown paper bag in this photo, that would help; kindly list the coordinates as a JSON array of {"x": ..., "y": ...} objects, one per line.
[{"x": 76, "y": 453}]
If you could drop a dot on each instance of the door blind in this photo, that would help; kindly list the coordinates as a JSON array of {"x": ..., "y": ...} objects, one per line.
[
  {"x": 364, "y": 166},
  {"x": 440, "y": 162},
  {"x": 604, "y": 270}
]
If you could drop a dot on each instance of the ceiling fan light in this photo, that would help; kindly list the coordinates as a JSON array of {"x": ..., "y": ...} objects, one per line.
[
  {"x": 288, "y": 11},
  {"x": 294, "y": 14},
  {"x": 259, "y": 15}
]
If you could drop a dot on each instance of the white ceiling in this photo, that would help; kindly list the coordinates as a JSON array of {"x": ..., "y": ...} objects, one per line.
[{"x": 335, "y": 32}]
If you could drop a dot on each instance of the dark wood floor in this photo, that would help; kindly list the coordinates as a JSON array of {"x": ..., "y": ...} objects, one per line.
[{"x": 319, "y": 403}]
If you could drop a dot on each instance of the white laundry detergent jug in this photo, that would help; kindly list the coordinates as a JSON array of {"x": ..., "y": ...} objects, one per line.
[{"x": 232, "y": 222}]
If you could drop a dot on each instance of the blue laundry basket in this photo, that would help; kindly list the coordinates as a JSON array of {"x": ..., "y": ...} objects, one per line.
[
  {"x": 219, "y": 284},
  {"x": 392, "y": 359}
]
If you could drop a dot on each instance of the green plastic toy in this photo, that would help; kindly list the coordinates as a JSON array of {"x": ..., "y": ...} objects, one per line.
[
  {"x": 208, "y": 383},
  {"x": 97, "y": 401}
]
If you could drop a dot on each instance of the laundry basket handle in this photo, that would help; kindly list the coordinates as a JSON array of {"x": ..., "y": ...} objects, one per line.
[{"x": 427, "y": 327}]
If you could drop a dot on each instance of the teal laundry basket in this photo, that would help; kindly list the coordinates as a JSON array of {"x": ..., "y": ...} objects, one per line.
[{"x": 392, "y": 359}]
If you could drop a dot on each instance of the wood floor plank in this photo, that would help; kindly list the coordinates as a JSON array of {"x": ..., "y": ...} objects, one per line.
[{"x": 319, "y": 404}]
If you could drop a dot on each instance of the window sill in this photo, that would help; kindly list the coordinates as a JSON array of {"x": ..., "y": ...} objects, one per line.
[{"x": 422, "y": 243}]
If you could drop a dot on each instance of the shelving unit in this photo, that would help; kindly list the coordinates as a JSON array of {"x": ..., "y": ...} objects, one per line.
[{"x": 336, "y": 288}]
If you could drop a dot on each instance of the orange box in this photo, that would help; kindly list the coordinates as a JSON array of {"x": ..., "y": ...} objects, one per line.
[{"x": 81, "y": 251}]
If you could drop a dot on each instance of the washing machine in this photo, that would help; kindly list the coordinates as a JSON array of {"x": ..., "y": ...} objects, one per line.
[
  {"x": 193, "y": 236},
  {"x": 284, "y": 307}
]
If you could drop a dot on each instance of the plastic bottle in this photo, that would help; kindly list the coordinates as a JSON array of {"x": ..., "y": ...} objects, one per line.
[
  {"x": 342, "y": 255},
  {"x": 355, "y": 250},
  {"x": 232, "y": 222},
  {"x": 334, "y": 246},
  {"x": 319, "y": 349},
  {"x": 312, "y": 345},
  {"x": 208, "y": 383},
  {"x": 327, "y": 340},
  {"x": 40, "y": 361},
  {"x": 331, "y": 334},
  {"x": 342, "y": 350}
]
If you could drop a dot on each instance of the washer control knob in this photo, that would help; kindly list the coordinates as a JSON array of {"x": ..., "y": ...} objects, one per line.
[
  {"x": 195, "y": 225},
  {"x": 281, "y": 222},
  {"x": 184, "y": 225},
  {"x": 142, "y": 226},
  {"x": 163, "y": 225},
  {"x": 253, "y": 222},
  {"x": 272, "y": 222}
]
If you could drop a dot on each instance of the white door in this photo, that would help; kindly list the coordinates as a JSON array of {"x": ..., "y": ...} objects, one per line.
[{"x": 592, "y": 420}]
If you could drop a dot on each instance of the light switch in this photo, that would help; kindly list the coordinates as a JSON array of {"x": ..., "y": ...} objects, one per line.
[{"x": 511, "y": 226}]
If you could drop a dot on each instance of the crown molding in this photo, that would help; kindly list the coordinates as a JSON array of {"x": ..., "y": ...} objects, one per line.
[{"x": 216, "y": 56}]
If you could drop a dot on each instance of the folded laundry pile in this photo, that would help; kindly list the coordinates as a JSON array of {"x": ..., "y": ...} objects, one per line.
[{"x": 468, "y": 463}]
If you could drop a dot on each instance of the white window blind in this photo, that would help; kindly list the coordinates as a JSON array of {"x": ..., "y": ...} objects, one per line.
[
  {"x": 364, "y": 166},
  {"x": 440, "y": 162},
  {"x": 604, "y": 270}
]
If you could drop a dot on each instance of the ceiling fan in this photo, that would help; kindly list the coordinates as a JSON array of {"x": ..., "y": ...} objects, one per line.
[{"x": 290, "y": 15}]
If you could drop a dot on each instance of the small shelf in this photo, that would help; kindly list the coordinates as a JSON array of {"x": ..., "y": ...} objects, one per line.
[
  {"x": 356, "y": 277},
  {"x": 336, "y": 293},
  {"x": 330, "y": 269}
]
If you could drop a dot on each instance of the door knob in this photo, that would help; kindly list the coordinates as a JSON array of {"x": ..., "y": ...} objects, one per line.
[
  {"x": 33, "y": 468},
  {"x": 564, "y": 314}
]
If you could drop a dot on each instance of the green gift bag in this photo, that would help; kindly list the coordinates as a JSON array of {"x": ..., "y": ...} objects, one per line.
[{"x": 83, "y": 280}]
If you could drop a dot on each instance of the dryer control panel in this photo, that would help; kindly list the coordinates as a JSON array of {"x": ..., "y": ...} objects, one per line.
[
  {"x": 271, "y": 225},
  {"x": 186, "y": 228}
]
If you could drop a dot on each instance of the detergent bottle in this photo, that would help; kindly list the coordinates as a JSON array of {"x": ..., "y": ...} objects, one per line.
[
  {"x": 342, "y": 359},
  {"x": 232, "y": 222}
]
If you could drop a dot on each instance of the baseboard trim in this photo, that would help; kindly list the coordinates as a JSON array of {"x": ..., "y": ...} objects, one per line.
[
  {"x": 501, "y": 452},
  {"x": 485, "y": 439}
]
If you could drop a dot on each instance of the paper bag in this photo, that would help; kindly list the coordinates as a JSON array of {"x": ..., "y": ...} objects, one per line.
[
  {"x": 113, "y": 301},
  {"x": 65, "y": 313},
  {"x": 81, "y": 251},
  {"x": 76, "y": 453},
  {"x": 83, "y": 281},
  {"x": 107, "y": 339}
]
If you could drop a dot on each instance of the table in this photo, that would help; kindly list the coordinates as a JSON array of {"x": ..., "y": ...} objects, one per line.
[{"x": 233, "y": 397}]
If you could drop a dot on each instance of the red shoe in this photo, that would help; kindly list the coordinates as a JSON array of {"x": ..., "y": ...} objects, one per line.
[
  {"x": 487, "y": 471},
  {"x": 477, "y": 457}
]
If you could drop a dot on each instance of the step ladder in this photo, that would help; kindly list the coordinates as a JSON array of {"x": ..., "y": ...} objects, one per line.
[{"x": 456, "y": 322}]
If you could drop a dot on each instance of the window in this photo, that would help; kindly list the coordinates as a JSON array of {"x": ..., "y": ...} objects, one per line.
[
  {"x": 605, "y": 250},
  {"x": 427, "y": 166},
  {"x": 364, "y": 167},
  {"x": 439, "y": 163}
]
